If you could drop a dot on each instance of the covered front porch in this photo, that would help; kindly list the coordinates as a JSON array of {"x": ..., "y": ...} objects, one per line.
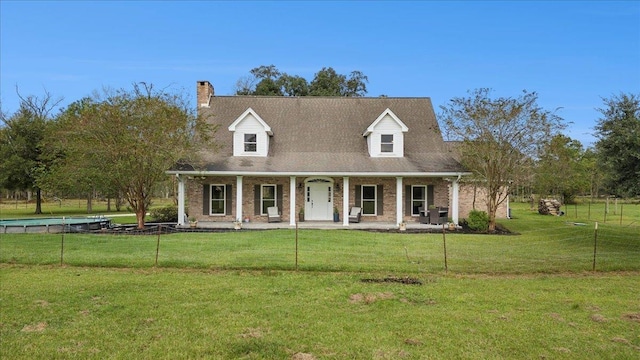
[{"x": 386, "y": 200}]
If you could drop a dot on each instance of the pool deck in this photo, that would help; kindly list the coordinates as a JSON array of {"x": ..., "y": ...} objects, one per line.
[{"x": 53, "y": 225}]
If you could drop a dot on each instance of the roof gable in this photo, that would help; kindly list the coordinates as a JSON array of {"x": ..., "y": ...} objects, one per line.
[
  {"x": 250, "y": 113},
  {"x": 385, "y": 114}
]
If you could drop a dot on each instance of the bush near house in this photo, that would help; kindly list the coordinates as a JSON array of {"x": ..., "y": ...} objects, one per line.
[
  {"x": 478, "y": 220},
  {"x": 165, "y": 214}
]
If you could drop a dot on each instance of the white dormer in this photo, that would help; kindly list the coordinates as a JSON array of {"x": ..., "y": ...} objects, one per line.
[
  {"x": 385, "y": 136},
  {"x": 250, "y": 135}
]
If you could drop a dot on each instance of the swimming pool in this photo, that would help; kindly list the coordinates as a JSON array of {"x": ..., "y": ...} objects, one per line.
[{"x": 54, "y": 225}]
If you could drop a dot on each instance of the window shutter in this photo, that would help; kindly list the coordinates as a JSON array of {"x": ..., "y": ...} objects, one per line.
[
  {"x": 408, "y": 206},
  {"x": 256, "y": 200},
  {"x": 358, "y": 191},
  {"x": 380, "y": 207},
  {"x": 228, "y": 189},
  {"x": 206, "y": 199},
  {"x": 429, "y": 195},
  {"x": 279, "y": 198}
]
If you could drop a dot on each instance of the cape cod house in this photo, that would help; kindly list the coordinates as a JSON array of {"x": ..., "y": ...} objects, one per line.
[{"x": 383, "y": 155}]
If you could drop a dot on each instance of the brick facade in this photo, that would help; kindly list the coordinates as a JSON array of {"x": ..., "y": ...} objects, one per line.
[
  {"x": 474, "y": 197},
  {"x": 194, "y": 190}
]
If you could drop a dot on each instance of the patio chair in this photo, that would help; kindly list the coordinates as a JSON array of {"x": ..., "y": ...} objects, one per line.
[
  {"x": 273, "y": 215},
  {"x": 423, "y": 215},
  {"x": 354, "y": 215}
]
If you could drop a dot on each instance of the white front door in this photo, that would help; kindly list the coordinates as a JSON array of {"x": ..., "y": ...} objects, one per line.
[{"x": 318, "y": 200}]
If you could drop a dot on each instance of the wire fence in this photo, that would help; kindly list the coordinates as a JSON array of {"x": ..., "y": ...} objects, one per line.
[{"x": 560, "y": 247}]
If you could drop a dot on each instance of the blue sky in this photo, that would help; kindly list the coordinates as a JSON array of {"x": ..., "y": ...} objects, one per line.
[{"x": 571, "y": 53}]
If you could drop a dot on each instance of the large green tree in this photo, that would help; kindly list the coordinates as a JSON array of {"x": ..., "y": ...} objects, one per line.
[
  {"x": 76, "y": 170},
  {"x": 131, "y": 137},
  {"x": 22, "y": 159},
  {"x": 268, "y": 80},
  {"x": 561, "y": 169},
  {"x": 498, "y": 137},
  {"x": 618, "y": 145}
]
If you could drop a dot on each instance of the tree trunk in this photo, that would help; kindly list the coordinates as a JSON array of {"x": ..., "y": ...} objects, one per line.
[
  {"x": 119, "y": 202},
  {"x": 38, "y": 201},
  {"x": 141, "y": 211},
  {"x": 89, "y": 204},
  {"x": 491, "y": 211},
  {"x": 108, "y": 204}
]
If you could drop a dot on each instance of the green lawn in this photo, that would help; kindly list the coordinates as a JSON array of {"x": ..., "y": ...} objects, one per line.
[
  {"x": 78, "y": 312},
  {"x": 540, "y": 244},
  {"x": 236, "y": 295},
  {"x": 71, "y": 207}
]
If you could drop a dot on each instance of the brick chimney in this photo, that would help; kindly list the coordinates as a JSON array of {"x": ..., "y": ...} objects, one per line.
[{"x": 204, "y": 93}]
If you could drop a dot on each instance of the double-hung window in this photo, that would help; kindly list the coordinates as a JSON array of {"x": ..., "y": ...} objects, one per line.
[
  {"x": 267, "y": 197},
  {"x": 386, "y": 143},
  {"x": 218, "y": 199},
  {"x": 418, "y": 199},
  {"x": 250, "y": 142},
  {"x": 369, "y": 200}
]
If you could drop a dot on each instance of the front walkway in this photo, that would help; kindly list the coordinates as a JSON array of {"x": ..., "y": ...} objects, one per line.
[{"x": 411, "y": 226}]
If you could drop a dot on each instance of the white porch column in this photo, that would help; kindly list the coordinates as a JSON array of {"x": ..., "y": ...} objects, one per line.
[
  {"x": 399, "y": 213},
  {"x": 345, "y": 201},
  {"x": 239, "y": 197},
  {"x": 181, "y": 215},
  {"x": 292, "y": 201},
  {"x": 454, "y": 202}
]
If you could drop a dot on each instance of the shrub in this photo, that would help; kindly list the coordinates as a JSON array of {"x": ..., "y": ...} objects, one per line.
[
  {"x": 165, "y": 214},
  {"x": 478, "y": 220}
]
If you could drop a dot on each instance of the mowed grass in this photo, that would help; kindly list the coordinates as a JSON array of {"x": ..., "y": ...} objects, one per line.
[
  {"x": 72, "y": 207},
  {"x": 51, "y": 312},
  {"x": 236, "y": 295},
  {"x": 539, "y": 244}
]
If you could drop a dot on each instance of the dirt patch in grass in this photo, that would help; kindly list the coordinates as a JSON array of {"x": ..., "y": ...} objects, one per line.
[
  {"x": 626, "y": 342},
  {"x": 392, "y": 279},
  {"x": 632, "y": 317},
  {"x": 412, "y": 342},
  {"x": 303, "y": 356},
  {"x": 43, "y": 303},
  {"x": 252, "y": 333},
  {"x": 599, "y": 318},
  {"x": 370, "y": 298},
  {"x": 39, "y": 327},
  {"x": 556, "y": 316}
]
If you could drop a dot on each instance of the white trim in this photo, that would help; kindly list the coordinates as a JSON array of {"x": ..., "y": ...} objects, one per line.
[
  {"x": 181, "y": 212},
  {"x": 275, "y": 197},
  {"x": 224, "y": 199},
  {"x": 239, "y": 198},
  {"x": 395, "y": 118},
  {"x": 345, "y": 201},
  {"x": 399, "y": 213},
  {"x": 425, "y": 200},
  {"x": 292, "y": 200},
  {"x": 325, "y": 174},
  {"x": 375, "y": 199},
  {"x": 455, "y": 199},
  {"x": 235, "y": 123},
  {"x": 324, "y": 179}
]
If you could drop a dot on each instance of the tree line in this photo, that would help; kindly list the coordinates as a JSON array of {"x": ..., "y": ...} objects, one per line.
[{"x": 120, "y": 143}]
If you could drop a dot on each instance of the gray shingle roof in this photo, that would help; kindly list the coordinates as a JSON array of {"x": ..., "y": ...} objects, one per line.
[{"x": 324, "y": 135}]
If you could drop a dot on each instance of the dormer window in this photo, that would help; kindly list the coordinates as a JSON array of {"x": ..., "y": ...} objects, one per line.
[
  {"x": 385, "y": 136},
  {"x": 250, "y": 142},
  {"x": 386, "y": 143},
  {"x": 251, "y": 135}
]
